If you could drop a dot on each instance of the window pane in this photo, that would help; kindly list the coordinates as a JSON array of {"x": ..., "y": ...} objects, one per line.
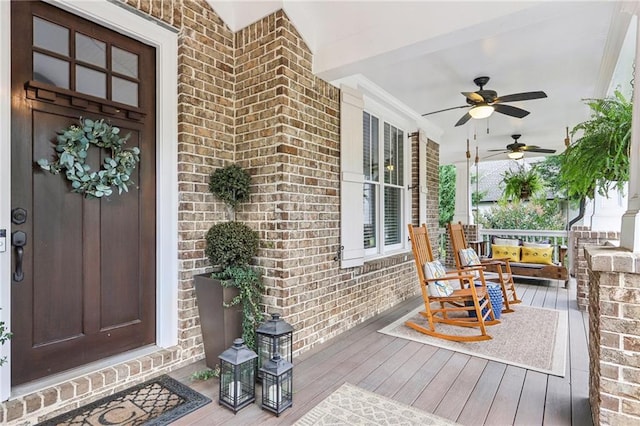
[
  {"x": 375, "y": 147},
  {"x": 366, "y": 145},
  {"x": 369, "y": 215},
  {"x": 370, "y": 147},
  {"x": 91, "y": 82},
  {"x": 400, "y": 157},
  {"x": 392, "y": 219},
  {"x": 124, "y": 91},
  {"x": 50, "y": 36},
  {"x": 91, "y": 50},
  {"x": 50, "y": 70},
  {"x": 389, "y": 165},
  {"x": 124, "y": 62}
]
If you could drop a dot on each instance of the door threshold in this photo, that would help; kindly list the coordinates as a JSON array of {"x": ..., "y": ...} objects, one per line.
[{"x": 74, "y": 373}]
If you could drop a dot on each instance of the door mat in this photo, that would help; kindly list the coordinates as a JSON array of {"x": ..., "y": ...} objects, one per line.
[
  {"x": 351, "y": 405},
  {"x": 156, "y": 402},
  {"x": 531, "y": 338}
]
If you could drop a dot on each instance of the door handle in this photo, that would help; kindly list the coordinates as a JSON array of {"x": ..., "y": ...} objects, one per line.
[{"x": 19, "y": 240}]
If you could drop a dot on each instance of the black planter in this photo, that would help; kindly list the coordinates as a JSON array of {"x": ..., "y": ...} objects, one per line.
[{"x": 220, "y": 325}]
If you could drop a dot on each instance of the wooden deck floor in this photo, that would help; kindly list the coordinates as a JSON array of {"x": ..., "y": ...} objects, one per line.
[{"x": 462, "y": 388}]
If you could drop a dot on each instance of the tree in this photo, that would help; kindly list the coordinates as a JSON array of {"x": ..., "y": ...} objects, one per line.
[
  {"x": 549, "y": 170},
  {"x": 446, "y": 194}
]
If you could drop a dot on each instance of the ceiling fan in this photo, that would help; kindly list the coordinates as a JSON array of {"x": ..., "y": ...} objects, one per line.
[
  {"x": 516, "y": 150},
  {"x": 484, "y": 102}
]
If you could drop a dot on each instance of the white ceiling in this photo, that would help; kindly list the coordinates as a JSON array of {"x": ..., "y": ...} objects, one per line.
[{"x": 424, "y": 53}]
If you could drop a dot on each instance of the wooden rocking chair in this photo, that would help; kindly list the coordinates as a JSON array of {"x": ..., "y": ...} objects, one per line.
[
  {"x": 438, "y": 309},
  {"x": 497, "y": 270}
]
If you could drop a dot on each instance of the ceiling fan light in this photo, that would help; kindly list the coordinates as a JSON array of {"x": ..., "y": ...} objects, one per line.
[
  {"x": 481, "y": 111},
  {"x": 516, "y": 155}
]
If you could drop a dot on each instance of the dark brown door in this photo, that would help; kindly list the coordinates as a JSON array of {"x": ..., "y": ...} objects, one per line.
[{"x": 88, "y": 290}]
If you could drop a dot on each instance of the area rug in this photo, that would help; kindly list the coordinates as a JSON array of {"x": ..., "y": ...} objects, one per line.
[
  {"x": 531, "y": 338},
  {"x": 350, "y": 405},
  {"x": 156, "y": 402}
]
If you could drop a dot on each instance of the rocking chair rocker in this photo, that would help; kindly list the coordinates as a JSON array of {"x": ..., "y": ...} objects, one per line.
[{"x": 451, "y": 308}]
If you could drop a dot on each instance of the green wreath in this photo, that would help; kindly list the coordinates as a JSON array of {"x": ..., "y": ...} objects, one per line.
[{"x": 71, "y": 151}]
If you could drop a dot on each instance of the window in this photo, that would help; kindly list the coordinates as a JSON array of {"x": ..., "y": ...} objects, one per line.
[
  {"x": 116, "y": 79},
  {"x": 383, "y": 195}
]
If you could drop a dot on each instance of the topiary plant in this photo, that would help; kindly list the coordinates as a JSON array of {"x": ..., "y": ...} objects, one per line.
[
  {"x": 230, "y": 184},
  {"x": 231, "y": 244}
]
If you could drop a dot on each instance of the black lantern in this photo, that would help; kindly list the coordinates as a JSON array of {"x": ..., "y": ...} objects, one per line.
[
  {"x": 277, "y": 384},
  {"x": 237, "y": 376},
  {"x": 274, "y": 336}
]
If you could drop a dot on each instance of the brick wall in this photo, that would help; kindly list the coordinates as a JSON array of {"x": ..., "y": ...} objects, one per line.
[
  {"x": 614, "y": 335},
  {"x": 579, "y": 238},
  {"x": 251, "y": 98}
]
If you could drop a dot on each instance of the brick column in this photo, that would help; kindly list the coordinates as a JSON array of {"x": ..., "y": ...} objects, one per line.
[
  {"x": 579, "y": 238},
  {"x": 614, "y": 335}
]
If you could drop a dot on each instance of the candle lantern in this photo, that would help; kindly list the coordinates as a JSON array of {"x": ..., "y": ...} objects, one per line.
[
  {"x": 274, "y": 336},
  {"x": 277, "y": 384},
  {"x": 237, "y": 376}
]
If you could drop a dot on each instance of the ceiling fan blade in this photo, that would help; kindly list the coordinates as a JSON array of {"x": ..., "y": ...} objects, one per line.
[
  {"x": 493, "y": 155},
  {"x": 446, "y": 109},
  {"x": 538, "y": 149},
  {"x": 510, "y": 110},
  {"x": 473, "y": 96},
  {"x": 464, "y": 119},
  {"x": 521, "y": 97},
  {"x": 499, "y": 150}
]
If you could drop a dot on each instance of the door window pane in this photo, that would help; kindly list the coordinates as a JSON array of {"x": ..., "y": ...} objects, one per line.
[
  {"x": 392, "y": 219},
  {"x": 124, "y": 91},
  {"x": 50, "y": 70},
  {"x": 123, "y": 62},
  {"x": 369, "y": 215},
  {"x": 91, "y": 50},
  {"x": 91, "y": 82},
  {"x": 50, "y": 36}
]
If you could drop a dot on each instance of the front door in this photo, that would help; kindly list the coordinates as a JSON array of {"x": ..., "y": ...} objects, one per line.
[{"x": 83, "y": 285}]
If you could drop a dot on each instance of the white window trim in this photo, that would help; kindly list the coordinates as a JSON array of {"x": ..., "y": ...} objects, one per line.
[
  {"x": 385, "y": 116},
  {"x": 358, "y": 86},
  {"x": 165, "y": 40}
]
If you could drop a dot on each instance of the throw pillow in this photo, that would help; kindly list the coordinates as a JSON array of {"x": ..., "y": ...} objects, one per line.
[
  {"x": 537, "y": 255},
  {"x": 440, "y": 288},
  {"x": 469, "y": 257},
  {"x": 509, "y": 252},
  {"x": 506, "y": 241},
  {"x": 536, "y": 245}
]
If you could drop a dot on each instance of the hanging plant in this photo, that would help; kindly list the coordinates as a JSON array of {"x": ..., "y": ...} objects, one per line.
[
  {"x": 72, "y": 150},
  {"x": 522, "y": 183},
  {"x": 601, "y": 155}
]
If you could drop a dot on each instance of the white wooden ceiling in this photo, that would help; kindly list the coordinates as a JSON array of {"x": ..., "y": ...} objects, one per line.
[{"x": 424, "y": 53}]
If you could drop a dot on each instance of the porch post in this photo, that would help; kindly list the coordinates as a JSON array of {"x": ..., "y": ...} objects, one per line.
[
  {"x": 462, "y": 212},
  {"x": 630, "y": 235}
]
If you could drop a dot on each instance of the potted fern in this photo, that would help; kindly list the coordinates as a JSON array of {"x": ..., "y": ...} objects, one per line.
[
  {"x": 229, "y": 299},
  {"x": 599, "y": 159},
  {"x": 522, "y": 183}
]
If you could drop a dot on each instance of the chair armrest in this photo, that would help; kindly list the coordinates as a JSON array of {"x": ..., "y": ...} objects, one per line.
[{"x": 451, "y": 277}]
